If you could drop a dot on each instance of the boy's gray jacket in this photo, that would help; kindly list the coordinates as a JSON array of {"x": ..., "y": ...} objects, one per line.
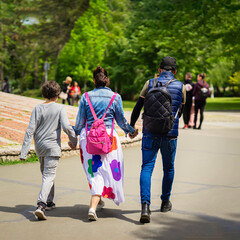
[{"x": 45, "y": 127}]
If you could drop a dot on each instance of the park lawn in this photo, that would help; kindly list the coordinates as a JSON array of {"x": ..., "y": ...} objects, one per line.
[
  {"x": 223, "y": 104},
  {"x": 216, "y": 104},
  {"x": 128, "y": 105}
]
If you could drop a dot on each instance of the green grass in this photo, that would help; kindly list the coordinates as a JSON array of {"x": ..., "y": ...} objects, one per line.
[
  {"x": 33, "y": 93},
  {"x": 216, "y": 104},
  {"x": 223, "y": 104},
  {"x": 32, "y": 159},
  {"x": 128, "y": 105}
]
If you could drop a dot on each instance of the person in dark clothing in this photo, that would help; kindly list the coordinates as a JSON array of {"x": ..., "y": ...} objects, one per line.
[
  {"x": 200, "y": 101},
  {"x": 153, "y": 142},
  {"x": 6, "y": 86},
  {"x": 66, "y": 89},
  {"x": 189, "y": 85}
]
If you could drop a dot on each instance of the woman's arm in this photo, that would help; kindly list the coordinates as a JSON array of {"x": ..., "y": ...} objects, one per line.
[
  {"x": 119, "y": 116},
  {"x": 81, "y": 117}
]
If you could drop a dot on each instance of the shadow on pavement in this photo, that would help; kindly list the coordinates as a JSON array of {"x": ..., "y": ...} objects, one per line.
[
  {"x": 26, "y": 211},
  {"x": 165, "y": 226},
  {"x": 78, "y": 212}
]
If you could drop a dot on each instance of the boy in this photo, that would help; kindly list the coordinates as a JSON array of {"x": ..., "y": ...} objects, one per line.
[{"x": 45, "y": 127}]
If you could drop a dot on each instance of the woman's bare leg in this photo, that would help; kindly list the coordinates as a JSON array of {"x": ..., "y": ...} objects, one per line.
[{"x": 95, "y": 199}]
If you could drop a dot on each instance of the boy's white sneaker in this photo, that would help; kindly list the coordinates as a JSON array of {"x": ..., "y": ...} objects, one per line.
[
  {"x": 100, "y": 205},
  {"x": 40, "y": 213},
  {"x": 92, "y": 216}
]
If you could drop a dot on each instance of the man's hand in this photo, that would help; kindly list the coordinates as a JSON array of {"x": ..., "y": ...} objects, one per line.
[
  {"x": 134, "y": 134},
  {"x": 71, "y": 146}
]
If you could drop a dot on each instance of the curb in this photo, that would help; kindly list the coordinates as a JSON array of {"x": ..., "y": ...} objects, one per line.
[{"x": 12, "y": 153}]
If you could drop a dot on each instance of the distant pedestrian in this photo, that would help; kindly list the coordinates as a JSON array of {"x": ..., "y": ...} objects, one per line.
[
  {"x": 75, "y": 93},
  {"x": 189, "y": 85},
  {"x": 6, "y": 86},
  {"x": 66, "y": 87},
  {"x": 200, "y": 92},
  {"x": 45, "y": 127},
  {"x": 162, "y": 99}
]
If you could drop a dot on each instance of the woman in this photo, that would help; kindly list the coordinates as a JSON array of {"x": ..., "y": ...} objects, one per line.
[
  {"x": 66, "y": 88},
  {"x": 189, "y": 85},
  {"x": 104, "y": 172},
  {"x": 75, "y": 93},
  {"x": 200, "y": 92}
]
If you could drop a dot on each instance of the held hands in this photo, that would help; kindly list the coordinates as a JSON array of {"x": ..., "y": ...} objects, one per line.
[
  {"x": 71, "y": 146},
  {"x": 134, "y": 134}
]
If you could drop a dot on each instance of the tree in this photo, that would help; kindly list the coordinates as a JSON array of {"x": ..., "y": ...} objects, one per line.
[
  {"x": 234, "y": 82},
  {"x": 91, "y": 40}
]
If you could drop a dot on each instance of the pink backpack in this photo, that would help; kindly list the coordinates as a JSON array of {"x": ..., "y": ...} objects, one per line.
[{"x": 98, "y": 140}]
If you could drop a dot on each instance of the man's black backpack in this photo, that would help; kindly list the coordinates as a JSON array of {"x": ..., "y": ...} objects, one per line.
[{"x": 158, "y": 117}]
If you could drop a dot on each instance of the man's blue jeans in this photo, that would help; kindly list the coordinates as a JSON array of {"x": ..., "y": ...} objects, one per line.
[{"x": 150, "y": 146}]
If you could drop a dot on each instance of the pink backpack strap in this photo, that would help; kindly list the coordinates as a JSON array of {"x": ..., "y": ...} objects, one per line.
[
  {"x": 91, "y": 107},
  {"x": 111, "y": 101}
]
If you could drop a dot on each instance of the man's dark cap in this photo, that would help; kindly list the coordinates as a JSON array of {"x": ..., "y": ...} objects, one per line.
[{"x": 168, "y": 63}]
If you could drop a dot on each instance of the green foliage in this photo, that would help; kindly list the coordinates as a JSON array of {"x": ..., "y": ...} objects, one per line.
[
  {"x": 85, "y": 50},
  {"x": 33, "y": 93},
  {"x": 126, "y": 37},
  {"x": 137, "y": 34},
  {"x": 92, "y": 40},
  {"x": 234, "y": 82},
  {"x": 219, "y": 74},
  {"x": 33, "y": 32}
]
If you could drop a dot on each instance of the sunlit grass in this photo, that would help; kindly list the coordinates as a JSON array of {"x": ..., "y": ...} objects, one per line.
[{"x": 216, "y": 104}]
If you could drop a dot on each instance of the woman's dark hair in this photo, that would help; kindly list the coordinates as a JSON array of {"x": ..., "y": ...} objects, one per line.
[
  {"x": 101, "y": 77},
  {"x": 203, "y": 76},
  {"x": 50, "y": 89}
]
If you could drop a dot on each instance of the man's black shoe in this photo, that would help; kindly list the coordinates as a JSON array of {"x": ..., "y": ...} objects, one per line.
[
  {"x": 166, "y": 206},
  {"x": 145, "y": 214}
]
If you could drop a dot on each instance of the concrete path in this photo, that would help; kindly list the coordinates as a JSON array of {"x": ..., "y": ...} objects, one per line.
[{"x": 205, "y": 198}]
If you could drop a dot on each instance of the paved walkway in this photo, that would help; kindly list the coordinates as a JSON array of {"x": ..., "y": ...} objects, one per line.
[{"x": 205, "y": 198}]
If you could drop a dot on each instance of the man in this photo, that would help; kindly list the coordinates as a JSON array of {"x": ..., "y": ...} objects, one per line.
[
  {"x": 151, "y": 142},
  {"x": 189, "y": 85}
]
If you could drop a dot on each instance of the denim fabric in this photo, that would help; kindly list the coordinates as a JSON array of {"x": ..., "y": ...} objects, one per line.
[
  {"x": 175, "y": 90},
  {"x": 100, "y": 98},
  {"x": 150, "y": 146}
]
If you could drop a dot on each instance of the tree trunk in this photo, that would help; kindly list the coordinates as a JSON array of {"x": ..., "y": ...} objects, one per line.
[
  {"x": 85, "y": 85},
  {"x": 115, "y": 86},
  {"x": 35, "y": 70}
]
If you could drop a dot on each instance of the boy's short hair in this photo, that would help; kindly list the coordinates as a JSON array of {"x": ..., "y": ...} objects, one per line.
[{"x": 50, "y": 89}]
